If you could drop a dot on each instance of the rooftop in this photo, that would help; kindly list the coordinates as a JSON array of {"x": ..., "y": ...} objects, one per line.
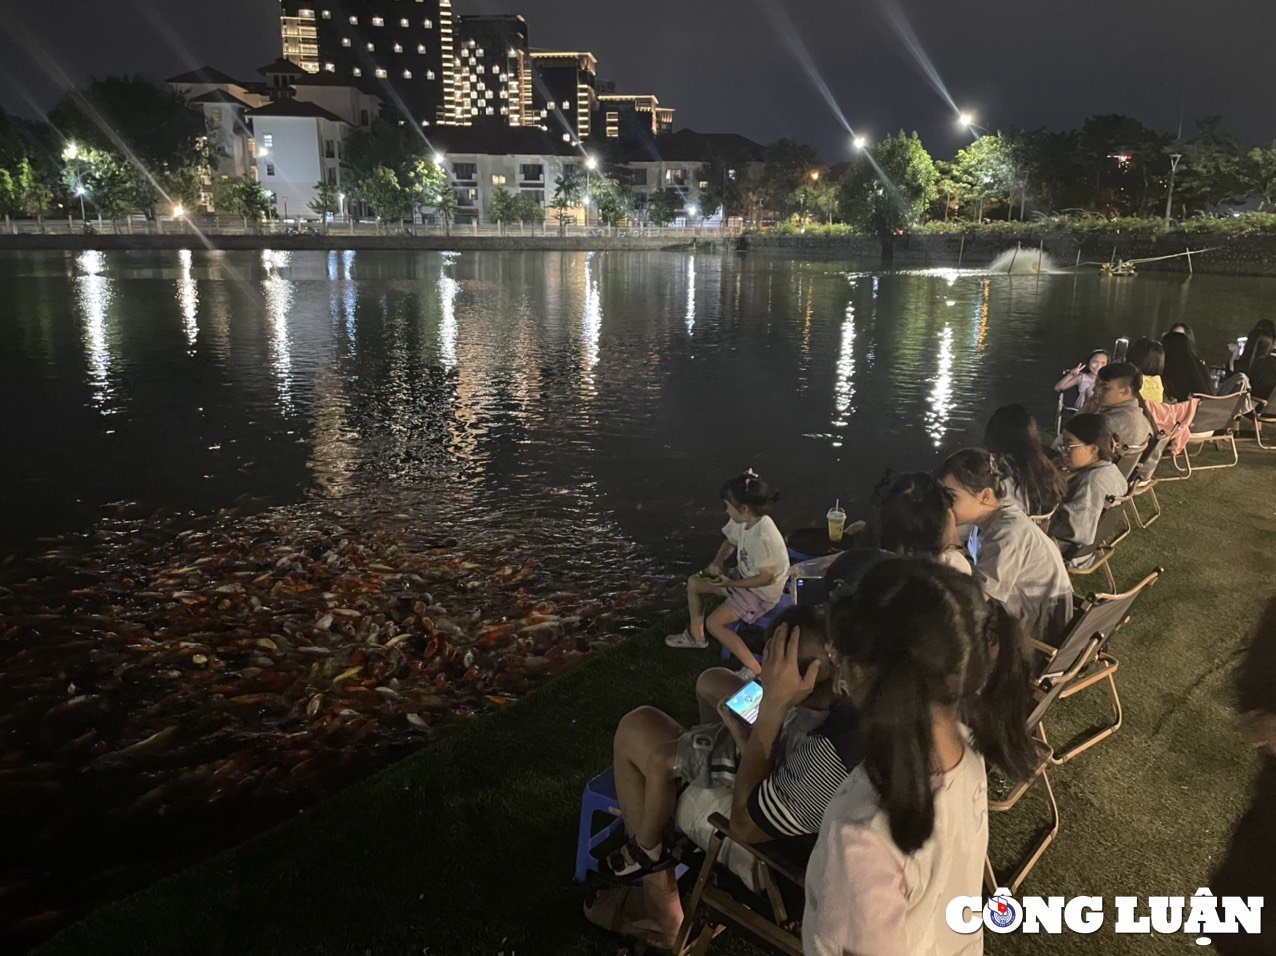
[
  {"x": 204, "y": 74},
  {"x": 298, "y": 108},
  {"x": 688, "y": 145}
]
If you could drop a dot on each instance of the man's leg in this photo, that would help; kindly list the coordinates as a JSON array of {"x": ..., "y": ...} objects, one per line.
[
  {"x": 643, "y": 754},
  {"x": 714, "y": 686}
]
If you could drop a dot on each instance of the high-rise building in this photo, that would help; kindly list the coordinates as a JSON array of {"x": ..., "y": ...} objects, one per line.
[
  {"x": 400, "y": 50},
  {"x": 493, "y": 81},
  {"x": 564, "y": 93},
  {"x": 632, "y": 116}
]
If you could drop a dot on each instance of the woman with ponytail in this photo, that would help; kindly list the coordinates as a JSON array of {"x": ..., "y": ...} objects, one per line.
[
  {"x": 1016, "y": 563},
  {"x": 938, "y": 678}
]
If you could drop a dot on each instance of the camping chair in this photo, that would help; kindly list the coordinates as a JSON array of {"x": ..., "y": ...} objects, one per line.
[
  {"x": 1145, "y": 486},
  {"x": 1114, "y": 527},
  {"x": 1082, "y": 661},
  {"x": 1131, "y": 455},
  {"x": 774, "y": 916},
  {"x": 1063, "y": 411},
  {"x": 1263, "y": 414},
  {"x": 1215, "y": 422},
  {"x": 1038, "y": 847},
  {"x": 1042, "y": 520}
]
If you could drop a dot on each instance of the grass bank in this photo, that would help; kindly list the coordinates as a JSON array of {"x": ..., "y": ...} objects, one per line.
[{"x": 467, "y": 846}]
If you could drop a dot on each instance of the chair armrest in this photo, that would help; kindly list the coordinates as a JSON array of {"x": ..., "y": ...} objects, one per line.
[{"x": 758, "y": 851}]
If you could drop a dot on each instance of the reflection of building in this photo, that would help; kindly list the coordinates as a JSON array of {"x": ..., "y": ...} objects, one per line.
[
  {"x": 397, "y": 50},
  {"x": 493, "y": 79},
  {"x": 565, "y": 95}
]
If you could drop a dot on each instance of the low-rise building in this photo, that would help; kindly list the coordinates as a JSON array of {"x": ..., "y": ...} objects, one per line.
[{"x": 681, "y": 161}]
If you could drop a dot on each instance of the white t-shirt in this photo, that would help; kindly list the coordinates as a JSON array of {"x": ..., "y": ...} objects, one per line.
[
  {"x": 865, "y": 896},
  {"x": 760, "y": 548}
]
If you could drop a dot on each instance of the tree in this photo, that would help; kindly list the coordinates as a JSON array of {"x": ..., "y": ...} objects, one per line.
[
  {"x": 663, "y": 206},
  {"x": 1212, "y": 172},
  {"x": 725, "y": 190},
  {"x": 816, "y": 198},
  {"x": 429, "y": 185},
  {"x": 141, "y": 138},
  {"x": 382, "y": 191},
  {"x": 243, "y": 196},
  {"x": 1122, "y": 156},
  {"x": 326, "y": 202},
  {"x": 567, "y": 196},
  {"x": 987, "y": 171},
  {"x": 613, "y": 201},
  {"x": 527, "y": 209},
  {"x": 501, "y": 209},
  {"x": 883, "y": 204},
  {"x": 1260, "y": 173},
  {"x": 785, "y": 166}
]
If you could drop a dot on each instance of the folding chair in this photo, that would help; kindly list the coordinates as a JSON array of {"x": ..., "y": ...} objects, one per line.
[
  {"x": 1042, "y": 521},
  {"x": 1263, "y": 414},
  {"x": 1131, "y": 455},
  {"x": 773, "y": 916},
  {"x": 1114, "y": 527},
  {"x": 1038, "y": 847},
  {"x": 1146, "y": 486},
  {"x": 1215, "y": 422},
  {"x": 1082, "y": 661}
]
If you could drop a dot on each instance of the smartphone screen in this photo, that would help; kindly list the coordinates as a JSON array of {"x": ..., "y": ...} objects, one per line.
[{"x": 745, "y": 702}]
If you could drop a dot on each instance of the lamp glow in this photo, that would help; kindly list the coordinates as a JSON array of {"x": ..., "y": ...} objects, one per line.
[
  {"x": 72, "y": 151},
  {"x": 179, "y": 211},
  {"x": 438, "y": 159},
  {"x": 591, "y": 163},
  {"x": 859, "y": 142},
  {"x": 692, "y": 209},
  {"x": 965, "y": 119}
]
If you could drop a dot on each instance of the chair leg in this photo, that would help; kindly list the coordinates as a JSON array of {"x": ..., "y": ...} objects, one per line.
[
  {"x": 1107, "y": 570},
  {"x": 1118, "y": 716},
  {"x": 1156, "y": 511},
  {"x": 697, "y": 895},
  {"x": 1216, "y": 441},
  {"x": 1035, "y": 852}
]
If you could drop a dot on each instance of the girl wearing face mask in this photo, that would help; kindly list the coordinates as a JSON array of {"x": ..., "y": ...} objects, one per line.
[{"x": 762, "y": 564}]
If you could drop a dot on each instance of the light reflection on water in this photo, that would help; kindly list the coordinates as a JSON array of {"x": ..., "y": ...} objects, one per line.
[{"x": 563, "y": 397}]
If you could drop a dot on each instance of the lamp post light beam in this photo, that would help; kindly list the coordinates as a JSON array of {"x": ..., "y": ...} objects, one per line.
[{"x": 590, "y": 165}]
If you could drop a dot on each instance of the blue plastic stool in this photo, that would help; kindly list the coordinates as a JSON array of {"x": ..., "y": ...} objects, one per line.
[
  {"x": 599, "y": 796},
  {"x": 763, "y": 622}
]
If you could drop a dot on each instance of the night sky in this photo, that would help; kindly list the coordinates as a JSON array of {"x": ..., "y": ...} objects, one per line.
[{"x": 726, "y": 66}]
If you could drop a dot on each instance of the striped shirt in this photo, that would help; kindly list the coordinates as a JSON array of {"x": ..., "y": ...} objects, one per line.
[{"x": 791, "y": 801}]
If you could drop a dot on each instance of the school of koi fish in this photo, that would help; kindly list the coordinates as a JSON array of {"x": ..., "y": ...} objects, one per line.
[{"x": 165, "y": 693}]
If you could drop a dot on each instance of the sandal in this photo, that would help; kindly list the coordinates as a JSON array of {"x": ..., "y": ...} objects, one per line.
[
  {"x": 607, "y": 911},
  {"x": 685, "y": 640},
  {"x": 631, "y": 861}
]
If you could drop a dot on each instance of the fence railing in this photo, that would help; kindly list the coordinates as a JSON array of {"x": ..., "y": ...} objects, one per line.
[{"x": 229, "y": 226}]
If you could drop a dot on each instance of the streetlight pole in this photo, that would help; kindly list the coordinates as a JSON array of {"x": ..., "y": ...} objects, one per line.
[
  {"x": 590, "y": 164},
  {"x": 1169, "y": 199}
]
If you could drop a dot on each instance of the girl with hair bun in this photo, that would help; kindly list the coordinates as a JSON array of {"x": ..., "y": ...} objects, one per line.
[
  {"x": 1016, "y": 563},
  {"x": 762, "y": 565},
  {"x": 938, "y": 678},
  {"x": 1090, "y": 452}
]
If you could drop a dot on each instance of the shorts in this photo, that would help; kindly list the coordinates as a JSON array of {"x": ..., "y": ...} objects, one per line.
[
  {"x": 707, "y": 757},
  {"x": 747, "y": 604},
  {"x": 692, "y": 817}
]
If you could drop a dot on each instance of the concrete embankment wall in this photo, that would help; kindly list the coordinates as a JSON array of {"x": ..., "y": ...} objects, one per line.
[
  {"x": 1229, "y": 255},
  {"x": 458, "y": 243}
]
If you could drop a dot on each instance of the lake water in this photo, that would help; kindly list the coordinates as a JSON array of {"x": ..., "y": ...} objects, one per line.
[{"x": 565, "y": 398}]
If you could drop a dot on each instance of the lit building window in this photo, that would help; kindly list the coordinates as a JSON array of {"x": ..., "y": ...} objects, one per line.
[
  {"x": 371, "y": 47},
  {"x": 306, "y": 14},
  {"x": 330, "y": 67},
  {"x": 428, "y": 24},
  {"x": 381, "y": 74},
  {"x": 327, "y": 14},
  {"x": 420, "y": 48},
  {"x": 345, "y": 41},
  {"x": 407, "y": 74},
  {"x": 357, "y": 71},
  {"x": 398, "y": 48},
  {"x": 354, "y": 21},
  {"x": 404, "y": 23},
  {"x": 489, "y": 111},
  {"x": 498, "y": 179},
  {"x": 429, "y": 74},
  {"x": 268, "y": 140},
  {"x": 378, "y": 22}
]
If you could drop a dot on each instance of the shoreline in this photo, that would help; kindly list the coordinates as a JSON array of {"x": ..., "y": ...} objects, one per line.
[{"x": 1235, "y": 255}]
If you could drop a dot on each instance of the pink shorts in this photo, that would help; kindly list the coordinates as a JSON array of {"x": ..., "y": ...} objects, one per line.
[{"x": 747, "y": 604}]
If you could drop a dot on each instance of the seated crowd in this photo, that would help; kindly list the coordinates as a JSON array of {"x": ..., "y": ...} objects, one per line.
[{"x": 895, "y": 679}]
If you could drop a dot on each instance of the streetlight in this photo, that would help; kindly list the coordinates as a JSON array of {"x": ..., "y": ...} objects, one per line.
[
  {"x": 79, "y": 191},
  {"x": 341, "y": 205},
  {"x": 438, "y": 159},
  {"x": 71, "y": 152},
  {"x": 590, "y": 164},
  {"x": 966, "y": 119},
  {"x": 860, "y": 142},
  {"x": 1169, "y": 199}
]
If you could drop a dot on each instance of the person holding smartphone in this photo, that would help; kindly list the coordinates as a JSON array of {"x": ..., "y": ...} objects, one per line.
[{"x": 772, "y": 778}]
